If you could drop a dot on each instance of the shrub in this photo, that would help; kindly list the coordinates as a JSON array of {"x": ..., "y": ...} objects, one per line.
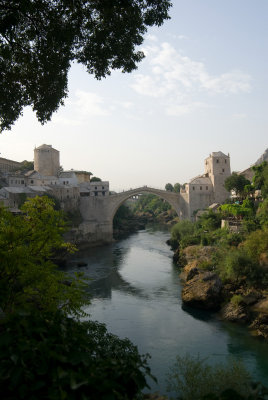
[
  {"x": 209, "y": 221},
  {"x": 237, "y": 299},
  {"x": 239, "y": 266},
  {"x": 192, "y": 378},
  {"x": 256, "y": 243},
  {"x": 50, "y": 356},
  {"x": 181, "y": 229}
]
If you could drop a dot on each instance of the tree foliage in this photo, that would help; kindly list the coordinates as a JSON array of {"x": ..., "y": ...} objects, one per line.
[
  {"x": 51, "y": 356},
  {"x": 177, "y": 187},
  {"x": 25, "y": 166},
  {"x": 95, "y": 179},
  {"x": 169, "y": 187},
  {"x": 28, "y": 277},
  {"x": 152, "y": 204},
  {"x": 237, "y": 183},
  {"x": 260, "y": 179},
  {"x": 39, "y": 39},
  {"x": 246, "y": 209}
]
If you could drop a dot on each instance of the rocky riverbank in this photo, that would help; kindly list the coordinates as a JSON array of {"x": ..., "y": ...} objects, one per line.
[{"x": 233, "y": 302}]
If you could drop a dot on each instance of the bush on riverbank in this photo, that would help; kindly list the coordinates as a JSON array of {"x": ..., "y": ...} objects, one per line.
[{"x": 192, "y": 378}]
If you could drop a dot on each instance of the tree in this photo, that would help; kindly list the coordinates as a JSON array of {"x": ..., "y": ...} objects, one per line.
[
  {"x": 24, "y": 166},
  {"x": 237, "y": 183},
  {"x": 28, "y": 277},
  {"x": 95, "y": 179},
  {"x": 169, "y": 187},
  {"x": 177, "y": 187},
  {"x": 39, "y": 39},
  {"x": 260, "y": 179}
]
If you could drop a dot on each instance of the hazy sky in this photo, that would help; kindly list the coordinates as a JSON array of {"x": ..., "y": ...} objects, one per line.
[{"x": 202, "y": 87}]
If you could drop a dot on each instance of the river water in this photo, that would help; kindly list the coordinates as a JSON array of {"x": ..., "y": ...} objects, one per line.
[{"x": 136, "y": 292}]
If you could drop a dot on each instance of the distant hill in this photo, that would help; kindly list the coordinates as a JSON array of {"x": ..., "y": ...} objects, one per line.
[{"x": 248, "y": 173}]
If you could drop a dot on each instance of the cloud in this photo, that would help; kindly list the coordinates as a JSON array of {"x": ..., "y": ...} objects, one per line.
[
  {"x": 90, "y": 104},
  {"x": 182, "y": 80}
]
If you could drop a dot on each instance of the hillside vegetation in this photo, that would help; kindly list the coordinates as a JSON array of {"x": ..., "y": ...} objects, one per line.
[{"x": 234, "y": 263}]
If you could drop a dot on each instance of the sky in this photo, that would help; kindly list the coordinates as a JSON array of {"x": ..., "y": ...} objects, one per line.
[{"x": 202, "y": 88}]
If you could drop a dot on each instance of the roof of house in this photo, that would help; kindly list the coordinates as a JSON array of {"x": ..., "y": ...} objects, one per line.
[
  {"x": 214, "y": 206},
  {"x": 67, "y": 174},
  {"x": 218, "y": 154},
  {"x": 38, "y": 188},
  {"x": 200, "y": 180},
  {"x": 17, "y": 189}
]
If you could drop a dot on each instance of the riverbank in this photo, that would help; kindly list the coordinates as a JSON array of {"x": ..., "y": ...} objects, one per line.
[{"x": 233, "y": 301}]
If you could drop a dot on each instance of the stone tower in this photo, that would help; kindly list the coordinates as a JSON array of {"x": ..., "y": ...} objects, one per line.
[
  {"x": 46, "y": 160},
  {"x": 217, "y": 168}
]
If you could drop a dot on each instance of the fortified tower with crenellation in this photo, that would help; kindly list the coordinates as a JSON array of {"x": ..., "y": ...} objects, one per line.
[{"x": 46, "y": 160}]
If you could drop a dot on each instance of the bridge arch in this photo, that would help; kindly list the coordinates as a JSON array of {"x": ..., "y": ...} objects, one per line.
[{"x": 116, "y": 200}]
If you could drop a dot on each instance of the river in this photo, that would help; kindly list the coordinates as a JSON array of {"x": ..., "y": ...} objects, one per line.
[{"x": 136, "y": 292}]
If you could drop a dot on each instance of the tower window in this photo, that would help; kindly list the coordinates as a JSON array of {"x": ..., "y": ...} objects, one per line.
[
  {"x": 223, "y": 170},
  {"x": 217, "y": 161},
  {"x": 200, "y": 187},
  {"x": 225, "y": 161},
  {"x": 206, "y": 187},
  {"x": 193, "y": 188}
]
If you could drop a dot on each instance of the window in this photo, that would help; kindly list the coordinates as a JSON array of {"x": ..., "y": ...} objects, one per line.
[
  {"x": 225, "y": 161},
  {"x": 96, "y": 188},
  {"x": 31, "y": 181},
  {"x": 96, "y": 193},
  {"x": 200, "y": 187},
  {"x": 103, "y": 193},
  {"x": 102, "y": 187},
  {"x": 206, "y": 187},
  {"x": 217, "y": 161},
  {"x": 223, "y": 170},
  {"x": 193, "y": 188},
  {"x": 22, "y": 182}
]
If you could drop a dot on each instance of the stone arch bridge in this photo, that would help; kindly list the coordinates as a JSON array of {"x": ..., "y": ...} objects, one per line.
[{"x": 98, "y": 212}]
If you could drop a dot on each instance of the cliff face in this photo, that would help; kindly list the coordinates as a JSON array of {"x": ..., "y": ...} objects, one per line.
[
  {"x": 248, "y": 173},
  {"x": 262, "y": 158}
]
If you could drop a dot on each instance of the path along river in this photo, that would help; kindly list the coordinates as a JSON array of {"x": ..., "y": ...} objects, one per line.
[{"x": 136, "y": 292}]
